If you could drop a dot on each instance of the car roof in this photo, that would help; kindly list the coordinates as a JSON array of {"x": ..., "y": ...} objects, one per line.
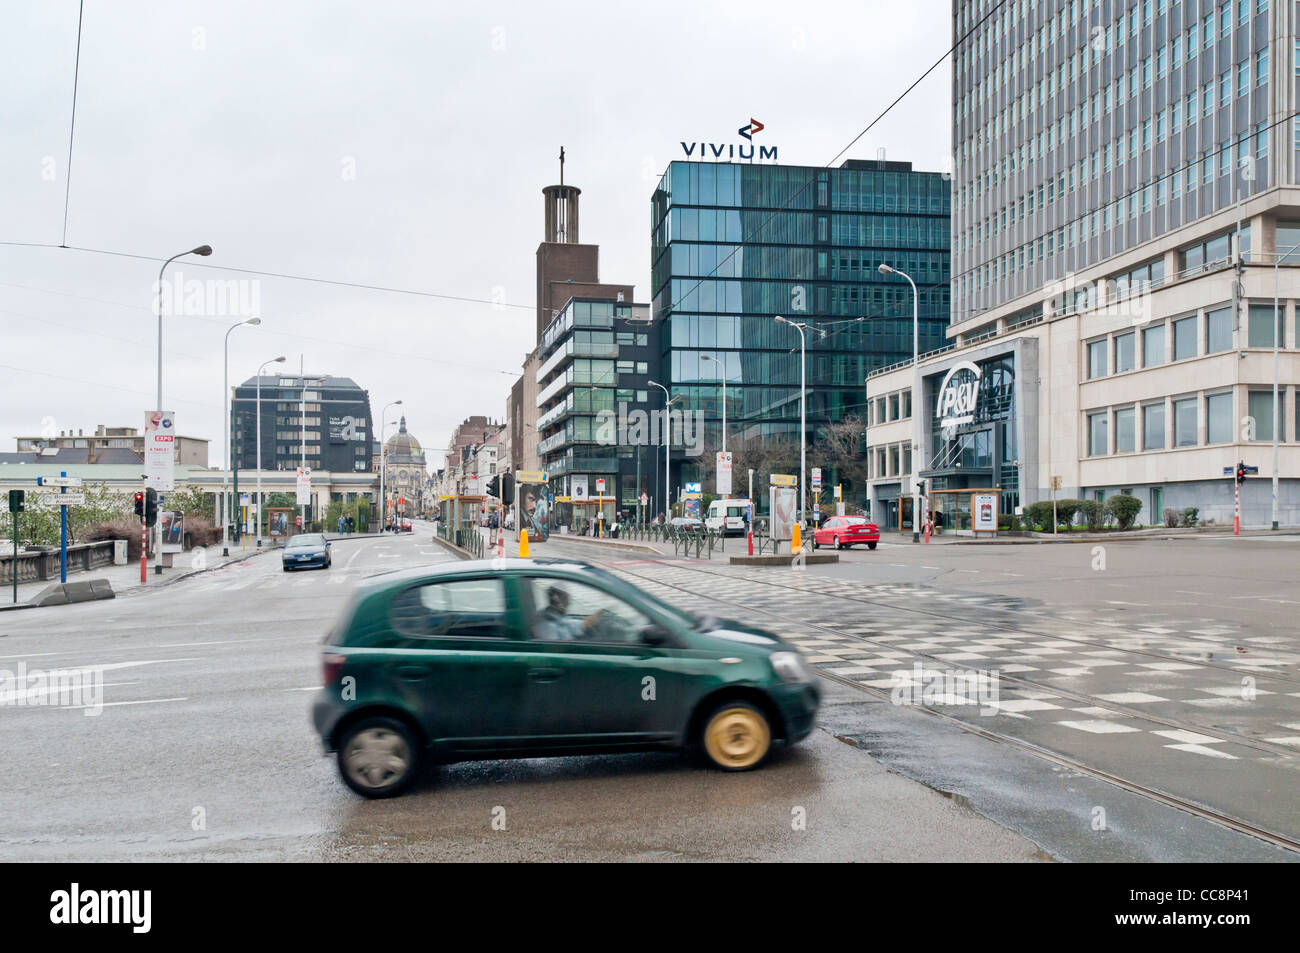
[{"x": 437, "y": 571}]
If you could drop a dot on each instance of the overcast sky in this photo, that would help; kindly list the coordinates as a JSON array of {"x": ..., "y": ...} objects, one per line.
[{"x": 394, "y": 144}]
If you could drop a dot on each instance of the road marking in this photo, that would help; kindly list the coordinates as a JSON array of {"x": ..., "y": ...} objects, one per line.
[
  {"x": 387, "y": 555},
  {"x": 143, "y": 701},
  {"x": 309, "y": 688}
]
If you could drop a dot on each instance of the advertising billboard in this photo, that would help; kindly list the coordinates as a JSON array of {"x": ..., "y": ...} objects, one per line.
[{"x": 160, "y": 449}]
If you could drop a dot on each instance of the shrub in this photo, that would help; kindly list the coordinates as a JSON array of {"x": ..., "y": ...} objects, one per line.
[
  {"x": 127, "y": 529},
  {"x": 1191, "y": 516},
  {"x": 1171, "y": 517},
  {"x": 1093, "y": 513},
  {"x": 1066, "y": 511},
  {"x": 1039, "y": 514},
  {"x": 1124, "y": 508}
]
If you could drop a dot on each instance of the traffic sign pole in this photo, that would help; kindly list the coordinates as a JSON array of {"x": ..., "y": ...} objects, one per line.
[
  {"x": 1236, "y": 509},
  {"x": 63, "y": 535}
]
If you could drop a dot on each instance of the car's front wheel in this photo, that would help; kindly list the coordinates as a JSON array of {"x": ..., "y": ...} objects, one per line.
[
  {"x": 816, "y": 545},
  {"x": 737, "y": 737},
  {"x": 838, "y": 544},
  {"x": 378, "y": 757}
]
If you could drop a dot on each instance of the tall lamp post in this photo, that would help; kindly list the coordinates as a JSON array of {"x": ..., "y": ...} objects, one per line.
[
  {"x": 668, "y": 442},
  {"x": 722, "y": 375},
  {"x": 230, "y": 451},
  {"x": 1277, "y": 411},
  {"x": 257, "y": 515},
  {"x": 203, "y": 250},
  {"x": 383, "y": 502},
  {"x": 803, "y": 408},
  {"x": 916, "y": 401}
]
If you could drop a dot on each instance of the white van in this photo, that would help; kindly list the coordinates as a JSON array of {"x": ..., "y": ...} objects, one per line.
[{"x": 728, "y": 516}]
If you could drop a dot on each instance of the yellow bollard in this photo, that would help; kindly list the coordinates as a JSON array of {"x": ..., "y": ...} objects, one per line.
[
  {"x": 523, "y": 544},
  {"x": 796, "y": 544}
]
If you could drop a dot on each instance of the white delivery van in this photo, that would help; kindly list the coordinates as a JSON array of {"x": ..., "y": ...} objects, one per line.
[{"x": 728, "y": 516}]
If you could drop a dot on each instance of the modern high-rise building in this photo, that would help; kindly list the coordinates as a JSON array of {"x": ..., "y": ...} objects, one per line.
[
  {"x": 1125, "y": 183},
  {"x": 597, "y": 358},
  {"x": 735, "y": 245},
  {"x": 328, "y": 416}
]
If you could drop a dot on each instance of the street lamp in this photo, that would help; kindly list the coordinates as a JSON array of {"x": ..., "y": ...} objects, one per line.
[
  {"x": 1277, "y": 411},
  {"x": 383, "y": 503},
  {"x": 916, "y": 401},
  {"x": 230, "y": 451},
  {"x": 257, "y": 516},
  {"x": 722, "y": 374},
  {"x": 667, "y": 500},
  {"x": 203, "y": 250},
  {"x": 803, "y": 407}
]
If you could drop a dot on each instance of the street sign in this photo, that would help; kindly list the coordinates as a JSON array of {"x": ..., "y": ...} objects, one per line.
[
  {"x": 600, "y": 486},
  {"x": 58, "y": 481},
  {"x": 63, "y": 499},
  {"x": 724, "y": 473},
  {"x": 1232, "y": 471},
  {"x": 531, "y": 476},
  {"x": 784, "y": 479},
  {"x": 1056, "y": 483},
  {"x": 816, "y": 479},
  {"x": 304, "y": 486},
  {"x": 645, "y": 499},
  {"x": 691, "y": 488},
  {"x": 160, "y": 449}
]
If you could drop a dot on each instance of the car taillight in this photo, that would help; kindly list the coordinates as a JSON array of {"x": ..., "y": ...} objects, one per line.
[{"x": 332, "y": 667}]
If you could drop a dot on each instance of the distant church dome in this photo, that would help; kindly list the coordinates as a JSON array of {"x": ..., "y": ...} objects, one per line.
[{"x": 402, "y": 446}]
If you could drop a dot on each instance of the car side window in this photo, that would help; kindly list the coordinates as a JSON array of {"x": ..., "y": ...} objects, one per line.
[
  {"x": 567, "y": 611},
  {"x": 456, "y": 609}
]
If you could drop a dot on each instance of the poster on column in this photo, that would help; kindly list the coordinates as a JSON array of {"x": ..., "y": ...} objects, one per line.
[
  {"x": 304, "y": 486},
  {"x": 160, "y": 449},
  {"x": 724, "y": 473}
]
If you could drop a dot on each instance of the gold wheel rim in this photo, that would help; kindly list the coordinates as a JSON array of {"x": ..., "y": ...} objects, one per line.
[{"x": 737, "y": 737}]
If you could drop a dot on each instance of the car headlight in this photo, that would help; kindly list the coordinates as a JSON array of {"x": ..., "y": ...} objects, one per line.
[{"x": 789, "y": 667}]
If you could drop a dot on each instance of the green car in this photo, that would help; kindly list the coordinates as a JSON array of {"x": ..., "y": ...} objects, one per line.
[{"x": 526, "y": 658}]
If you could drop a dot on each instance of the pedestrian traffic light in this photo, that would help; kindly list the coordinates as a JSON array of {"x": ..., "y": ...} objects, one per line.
[
  {"x": 139, "y": 503},
  {"x": 150, "y": 506},
  {"x": 17, "y": 500}
]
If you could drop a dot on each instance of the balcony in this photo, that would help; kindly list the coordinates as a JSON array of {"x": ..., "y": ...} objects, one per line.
[{"x": 552, "y": 390}]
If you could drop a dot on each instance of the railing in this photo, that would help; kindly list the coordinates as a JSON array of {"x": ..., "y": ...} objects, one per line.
[{"x": 467, "y": 538}]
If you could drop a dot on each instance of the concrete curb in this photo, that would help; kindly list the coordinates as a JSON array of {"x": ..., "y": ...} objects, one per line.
[
  {"x": 616, "y": 543},
  {"x": 809, "y": 559},
  {"x": 456, "y": 550}
]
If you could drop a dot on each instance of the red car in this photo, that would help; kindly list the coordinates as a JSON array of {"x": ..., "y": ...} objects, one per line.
[
  {"x": 404, "y": 525},
  {"x": 842, "y": 531}
]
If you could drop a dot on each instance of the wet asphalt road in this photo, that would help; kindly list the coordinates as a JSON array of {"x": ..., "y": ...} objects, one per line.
[{"x": 204, "y": 751}]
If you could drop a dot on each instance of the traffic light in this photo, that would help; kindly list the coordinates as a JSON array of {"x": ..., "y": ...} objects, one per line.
[
  {"x": 1241, "y": 473},
  {"x": 150, "y": 506},
  {"x": 17, "y": 500},
  {"x": 494, "y": 486},
  {"x": 139, "y": 503},
  {"x": 920, "y": 484},
  {"x": 508, "y": 489}
]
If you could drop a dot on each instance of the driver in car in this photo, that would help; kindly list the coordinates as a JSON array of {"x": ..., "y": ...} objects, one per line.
[{"x": 554, "y": 623}]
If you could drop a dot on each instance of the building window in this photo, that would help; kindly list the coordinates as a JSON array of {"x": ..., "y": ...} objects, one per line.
[
  {"x": 1260, "y": 333},
  {"x": 1153, "y": 346},
  {"x": 1185, "y": 422},
  {"x": 1097, "y": 443},
  {"x": 1096, "y": 359},
  {"x": 1218, "y": 418},
  {"x": 1185, "y": 339},
  {"x": 1125, "y": 346},
  {"x": 1261, "y": 413},
  {"x": 1218, "y": 330},
  {"x": 1153, "y": 426},
  {"x": 1125, "y": 433}
]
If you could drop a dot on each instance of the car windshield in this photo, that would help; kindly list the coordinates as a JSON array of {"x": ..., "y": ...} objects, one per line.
[{"x": 308, "y": 541}]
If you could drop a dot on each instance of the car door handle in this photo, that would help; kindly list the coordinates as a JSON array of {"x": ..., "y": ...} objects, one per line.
[
  {"x": 413, "y": 673},
  {"x": 544, "y": 674}
]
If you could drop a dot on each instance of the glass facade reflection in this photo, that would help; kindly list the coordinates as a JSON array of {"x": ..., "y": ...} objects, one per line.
[{"x": 734, "y": 245}]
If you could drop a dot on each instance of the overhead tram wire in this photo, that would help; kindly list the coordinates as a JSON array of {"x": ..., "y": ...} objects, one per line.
[{"x": 72, "y": 126}]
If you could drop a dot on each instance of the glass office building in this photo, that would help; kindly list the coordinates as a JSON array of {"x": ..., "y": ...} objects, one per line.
[{"x": 734, "y": 245}]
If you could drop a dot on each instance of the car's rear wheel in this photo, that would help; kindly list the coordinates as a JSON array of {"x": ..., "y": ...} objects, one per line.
[
  {"x": 871, "y": 545},
  {"x": 378, "y": 757},
  {"x": 816, "y": 545},
  {"x": 737, "y": 737},
  {"x": 838, "y": 544}
]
